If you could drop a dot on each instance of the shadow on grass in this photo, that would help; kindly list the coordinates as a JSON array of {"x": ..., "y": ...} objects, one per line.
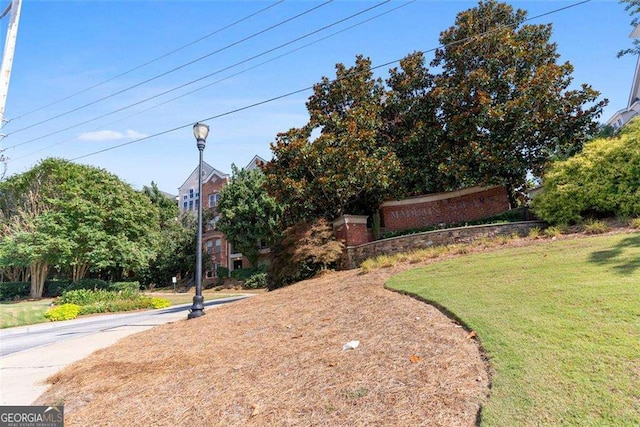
[{"x": 622, "y": 262}]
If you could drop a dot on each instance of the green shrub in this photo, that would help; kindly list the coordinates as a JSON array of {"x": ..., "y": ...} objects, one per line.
[
  {"x": 595, "y": 227},
  {"x": 222, "y": 272},
  {"x": 86, "y": 296},
  {"x": 257, "y": 281},
  {"x": 14, "y": 290},
  {"x": 130, "y": 287},
  {"x": 55, "y": 288},
  {"x": 160, "y": 302},
  {"x": 634, "y": 223},
  {"x": 243, "y": 274},
  {"x": 603, "y": 180},
  {"x": 63, "y": 312},
  {"x": 117, "y": 305},
  {"x": 89, "y": 284}
]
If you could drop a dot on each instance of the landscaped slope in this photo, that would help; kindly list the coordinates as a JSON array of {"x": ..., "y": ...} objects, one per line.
[
  {"x": 277, "y": 359},
  {"x": 560, "y": 322}
]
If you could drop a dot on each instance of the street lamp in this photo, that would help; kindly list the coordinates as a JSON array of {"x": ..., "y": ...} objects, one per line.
[{"x": 200, "y": 131}]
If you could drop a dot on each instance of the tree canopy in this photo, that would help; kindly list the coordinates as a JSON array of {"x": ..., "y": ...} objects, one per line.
[
  {"x": 336, "y": 163},
  {"x": 503, "y": 99},
  {"x": 76, "y": 218},
  {"x": 498, "y": 107},
  {"x": 176, "y": 256},
  {"x": 248, "y": 215}
]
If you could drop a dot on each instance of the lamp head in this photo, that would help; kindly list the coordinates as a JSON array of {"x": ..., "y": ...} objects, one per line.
[{"x": 200, "y": 131}]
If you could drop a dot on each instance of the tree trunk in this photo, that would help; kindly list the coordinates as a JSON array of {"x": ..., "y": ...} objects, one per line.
[
  {"x": 79, "y": 271},
  {"x": 513, "y": 201},
  {"x": 39, "y": 272},
  {"x": 16, "y": 274}
]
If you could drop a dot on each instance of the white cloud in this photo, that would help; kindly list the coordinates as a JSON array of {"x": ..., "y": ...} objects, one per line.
[{"x": 110, "y": 135}]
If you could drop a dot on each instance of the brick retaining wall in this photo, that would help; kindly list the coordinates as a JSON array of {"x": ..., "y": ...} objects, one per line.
[{"x": 356, "y": 254}]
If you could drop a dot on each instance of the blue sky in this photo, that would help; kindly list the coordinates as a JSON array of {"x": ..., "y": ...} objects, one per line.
[{"x": 64, "y": 47}]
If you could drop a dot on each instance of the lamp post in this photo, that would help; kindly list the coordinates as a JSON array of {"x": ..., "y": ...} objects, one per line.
[{"x": 200, "y": 131}]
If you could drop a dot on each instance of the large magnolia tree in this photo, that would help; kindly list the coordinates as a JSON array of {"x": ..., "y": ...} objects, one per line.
[
  {"x": 76, "y": 218},
  {"x": 337, "y": 163},
  {"x": 505, "y": 103}
]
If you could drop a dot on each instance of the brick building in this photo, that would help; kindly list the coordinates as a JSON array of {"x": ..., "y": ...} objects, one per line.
[{"x": 218, "y": 248}]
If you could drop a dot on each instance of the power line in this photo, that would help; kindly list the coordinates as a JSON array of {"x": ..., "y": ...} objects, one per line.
[
  {"x": 227, "y": 77},
  {"x": 174, "y": 69},
  {"x": 207, "y": 75},
  {"x": 191, "y": 43},
  {"x": 311, "y": 87}
]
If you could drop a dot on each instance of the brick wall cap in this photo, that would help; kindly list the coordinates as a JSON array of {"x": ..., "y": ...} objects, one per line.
[
  {"x": 436, "y": 196},
  {"x": 350, "y": 219}
]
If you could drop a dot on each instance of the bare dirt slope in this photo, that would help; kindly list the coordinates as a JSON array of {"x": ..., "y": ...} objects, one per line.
[{"x": 277, "y": 359}]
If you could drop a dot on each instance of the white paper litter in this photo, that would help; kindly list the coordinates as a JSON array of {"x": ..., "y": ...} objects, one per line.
[{"x": 351, "y": 345}]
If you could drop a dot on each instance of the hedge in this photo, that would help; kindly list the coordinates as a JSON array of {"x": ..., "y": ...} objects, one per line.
[
  {"x": 55, "y": 288},
  {"x": 14, "y": 290}
]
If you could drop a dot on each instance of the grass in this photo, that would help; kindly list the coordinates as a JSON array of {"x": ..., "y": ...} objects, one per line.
[
  {"x": 560, "y": 323},
  {"x": 23, "y": 313}
]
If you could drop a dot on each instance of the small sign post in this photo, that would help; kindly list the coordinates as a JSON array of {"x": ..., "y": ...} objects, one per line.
[{"x": 174, "y": 280}]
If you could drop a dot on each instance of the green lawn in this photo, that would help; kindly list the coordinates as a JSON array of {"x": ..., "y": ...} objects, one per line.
[
  {"x": 560, "y": 322},
  {"x": 23, "y": 312}
]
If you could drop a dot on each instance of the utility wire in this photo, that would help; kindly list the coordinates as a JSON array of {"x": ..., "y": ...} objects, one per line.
[
  {"x": 207, "y": 75},
  {"x": 226, "y": 27},
  {"x": 173, "y": 69},
  {"x": 311, "y": 87},
  {"x": 227, "y": 77}
]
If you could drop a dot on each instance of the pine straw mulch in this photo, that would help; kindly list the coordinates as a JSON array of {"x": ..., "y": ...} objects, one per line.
[{"x": 277, "y": 359}]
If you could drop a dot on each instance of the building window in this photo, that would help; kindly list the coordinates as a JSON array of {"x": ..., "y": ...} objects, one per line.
[
  {"x": 184, "y": 206},
  {"x": 190, "y": 205},
  {"x": 212, "y": 201},
  {"x": 217, "y": 197},
  {"x": 209, "y": 247},
  {"x": 191, "y": 193},
  {"x": 218, "y": 245},
  {"x": 184, "y": 197},
  {"x": 197, "y": 203}
]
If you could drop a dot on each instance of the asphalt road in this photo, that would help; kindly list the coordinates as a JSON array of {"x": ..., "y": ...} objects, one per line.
[{"x": 13, "y": 340}]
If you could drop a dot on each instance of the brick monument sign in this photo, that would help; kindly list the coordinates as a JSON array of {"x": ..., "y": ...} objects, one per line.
[{"x": 444, "y": 208}]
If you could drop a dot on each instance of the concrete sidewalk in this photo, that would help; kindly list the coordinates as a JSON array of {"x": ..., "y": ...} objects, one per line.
[{"x": 23, "y": 374}]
